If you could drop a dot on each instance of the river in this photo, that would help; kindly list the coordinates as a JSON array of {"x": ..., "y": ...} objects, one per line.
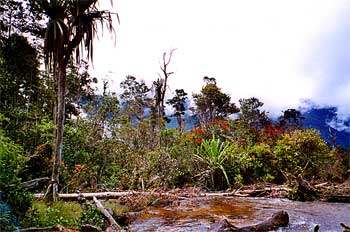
[{"x": 197, "y": 214}]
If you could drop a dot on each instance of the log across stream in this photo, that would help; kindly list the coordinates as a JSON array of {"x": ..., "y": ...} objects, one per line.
[{"x": 199, "y": 214}]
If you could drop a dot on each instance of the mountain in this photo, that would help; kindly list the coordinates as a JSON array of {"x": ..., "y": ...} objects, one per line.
[
  {"x": 327, "y": 122},
  {"x": 323, "y": 119}
]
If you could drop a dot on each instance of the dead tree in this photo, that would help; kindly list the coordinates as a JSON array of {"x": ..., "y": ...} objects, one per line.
[{"x": 160, "y": 87}]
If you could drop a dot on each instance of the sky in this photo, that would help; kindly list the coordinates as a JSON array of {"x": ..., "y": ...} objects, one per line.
[{"x": 280, "y": 51}]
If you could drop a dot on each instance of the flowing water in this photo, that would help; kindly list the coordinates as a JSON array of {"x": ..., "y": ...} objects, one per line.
[{"x": 197, "y": 214}]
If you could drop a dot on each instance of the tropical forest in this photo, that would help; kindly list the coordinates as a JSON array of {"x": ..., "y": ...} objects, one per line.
[{"x": 79, "y": 154}]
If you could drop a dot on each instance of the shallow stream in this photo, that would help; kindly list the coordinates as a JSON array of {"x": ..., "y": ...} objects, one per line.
[{"x": 199, "y": 213}]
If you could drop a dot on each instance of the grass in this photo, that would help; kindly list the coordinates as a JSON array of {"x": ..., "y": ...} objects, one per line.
[
  {"x": 116, "y": 207},
  {"x": 63, "y": 213},
  {"x": 67, "y": 214}
]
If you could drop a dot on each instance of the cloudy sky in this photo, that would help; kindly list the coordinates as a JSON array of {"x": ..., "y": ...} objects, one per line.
[{"x": 281, "y": 51}]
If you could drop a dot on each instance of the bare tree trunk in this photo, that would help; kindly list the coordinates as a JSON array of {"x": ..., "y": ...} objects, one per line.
[
  {"x": 61, "y": 89},
  {"x": 179, "y": 122},
  {"x": 163, "y": 87}
]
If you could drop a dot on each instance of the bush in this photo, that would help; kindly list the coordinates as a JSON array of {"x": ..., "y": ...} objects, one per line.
[
  {"x": 262, "y": 163},
  {"x": 11, "y": 164},
  {"x": 302, "y": 152},
  {"x": 213, "y": 155}
]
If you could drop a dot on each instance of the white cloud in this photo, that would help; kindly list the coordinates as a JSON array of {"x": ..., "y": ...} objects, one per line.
[{"x": 252, "y": 47}]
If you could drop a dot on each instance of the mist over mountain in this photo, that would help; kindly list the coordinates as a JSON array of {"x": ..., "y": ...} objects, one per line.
[{"x": 330, "y": 125}]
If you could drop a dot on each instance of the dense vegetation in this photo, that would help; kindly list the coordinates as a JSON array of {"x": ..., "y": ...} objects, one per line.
[{"x": 117, "y": 141}]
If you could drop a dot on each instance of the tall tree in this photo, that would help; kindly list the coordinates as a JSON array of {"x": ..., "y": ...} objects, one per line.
[
  {"x": 19, "y": 16},
  {"x": 292, "y": 119},
  {"x": 80, "y": 90},
  {"x": 251, "y": 120},
  {"x": 71, "y": 26},
  {"x": 135, "y": 98},
  {"x": 160, "y": 86},
  {"x": 22, "y": 97},
  {"x": 211, "y": 103},
  {"x": 178, "y": 102}
]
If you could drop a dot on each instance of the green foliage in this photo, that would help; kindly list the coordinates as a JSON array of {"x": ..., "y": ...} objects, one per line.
[
  {"x": 59, "y": 213},
  {"x": 22, "y": 98},
  {"x": 213, "y": 153},
  {"x": 262, "y": 163},
  {"x": 11, "y": 164},
  {"x": 79, "y": 83},
  {"x": 302, "y": 152},
  {"x": 8, "y": 221},
  {"x": 251, "y": 122},
  {"x": 135, "y": 100},
  {"x": 178, "y": 103},
  {"x": 18, "y": 17},
  {"x": 92, "y": 216},
  {"x": 212, "y": 104}
]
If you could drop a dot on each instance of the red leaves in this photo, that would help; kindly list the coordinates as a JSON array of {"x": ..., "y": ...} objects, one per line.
[
  {"x": 222, "y": 124},
  {"x": 271, "y": 132}
]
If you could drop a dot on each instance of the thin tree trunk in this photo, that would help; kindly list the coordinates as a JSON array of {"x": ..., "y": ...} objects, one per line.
[
  {"x": 61, "y": 89},
  {"x": 179, "y": 122}
]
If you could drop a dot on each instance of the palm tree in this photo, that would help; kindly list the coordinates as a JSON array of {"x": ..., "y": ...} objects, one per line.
[{"x": 70, "y": 29}]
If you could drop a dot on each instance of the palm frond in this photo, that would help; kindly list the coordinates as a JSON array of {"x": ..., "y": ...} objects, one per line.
[{"x": 56, "y": 39}]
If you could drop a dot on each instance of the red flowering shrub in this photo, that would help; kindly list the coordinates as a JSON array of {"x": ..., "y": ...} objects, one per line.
[{"x": 217, "y": 128}]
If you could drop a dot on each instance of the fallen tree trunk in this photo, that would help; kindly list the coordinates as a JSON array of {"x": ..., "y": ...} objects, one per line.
[
  {"x": 113, "y": 224},
  {"x": 278, "y": 219},
  {"x": 56, "y": 228},
  {"x": 248, "y": 192},
  {"x": 105, "y": 195},
  {"x": 338, "y": 198},
  {"x": 33, "y": 184}
]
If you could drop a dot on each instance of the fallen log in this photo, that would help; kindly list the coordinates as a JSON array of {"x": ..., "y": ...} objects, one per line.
[
  {"x": 248, "y": 192},
  {"x": 35, "y": 183},
  {"x": 278, "y": 219},
  {"x": 108, "y": 195},
  {"x": 346, "y": 228},
  {"x": 90, "y": 228},
  {"x": 338, "y": 198},
  {"x": 56, "y": 228},
  {"x": 73, "y": 196},
  {"x": 113, "y": 224}
]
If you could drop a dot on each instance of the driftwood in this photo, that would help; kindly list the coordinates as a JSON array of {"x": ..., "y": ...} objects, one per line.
[
  {"x": 57, "y": 228},
  {"x": 338, "y": 198},
  {"x": 108, "y": 195},
  {"x": 346, "y": 228},
  {"x": 34, "y": 184},
  {"x": 248, "y": 192},
  {"x": 90, "y": 228},
  {"x": 113, "y": 224},
  {"x": 74, "y": 196},
  {"x": 278, "y": 219}
]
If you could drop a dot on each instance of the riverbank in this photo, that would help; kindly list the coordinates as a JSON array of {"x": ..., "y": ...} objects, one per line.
[{"x": 130, "y": 207}]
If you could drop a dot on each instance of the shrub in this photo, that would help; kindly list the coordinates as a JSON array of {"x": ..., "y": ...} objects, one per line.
[
  {"x": 11, "y": 164},
  {"x": 213, "y": 153},
  {"x": 302, "y": 152},
  {"x": 262, "y": 163}
]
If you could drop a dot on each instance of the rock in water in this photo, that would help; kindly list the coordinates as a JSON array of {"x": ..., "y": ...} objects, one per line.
[{"x": 278, "y": 219}]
